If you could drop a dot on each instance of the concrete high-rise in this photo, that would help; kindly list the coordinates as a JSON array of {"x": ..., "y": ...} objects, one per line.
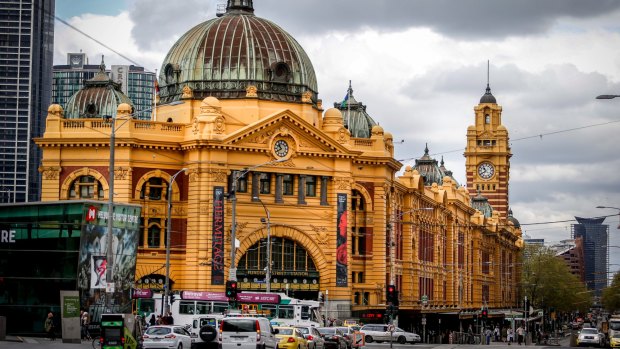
[
  {"x": 26, "y": 52},
  {"x": 595, "y": 237}
]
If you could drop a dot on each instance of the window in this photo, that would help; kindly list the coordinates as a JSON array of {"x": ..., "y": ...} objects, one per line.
[
  {"x": 85, "y": 187},
  {"x": 242, "y": 182},
  {"x": 154, "y": 233},
  {"x": 265, "y": 183},
  {"x": 310, "y": 186},
  {"x": 287, "y": 184},
  {"x": 487, "y": 119},
  {"x": 153, "y": 189}
]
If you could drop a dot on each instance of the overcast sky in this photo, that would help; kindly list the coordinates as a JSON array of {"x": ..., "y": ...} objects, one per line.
[{"x": 421, "y": 67}]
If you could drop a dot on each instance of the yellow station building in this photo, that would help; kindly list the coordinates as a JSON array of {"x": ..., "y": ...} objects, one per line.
[{"x": 239, "y": 110}]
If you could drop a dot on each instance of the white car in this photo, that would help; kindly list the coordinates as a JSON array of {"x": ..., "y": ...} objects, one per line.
[
  {"x": 380, "y": 333},
  {"x": 167, "y": 337},
  {"x": 590, "y": 336}
]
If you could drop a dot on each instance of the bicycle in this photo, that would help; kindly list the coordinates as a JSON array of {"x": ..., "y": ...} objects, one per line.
[{"x": 96, "y": 343}]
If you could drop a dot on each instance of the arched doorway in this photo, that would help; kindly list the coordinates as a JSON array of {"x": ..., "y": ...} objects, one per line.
[{"x": 293, "y": 271}]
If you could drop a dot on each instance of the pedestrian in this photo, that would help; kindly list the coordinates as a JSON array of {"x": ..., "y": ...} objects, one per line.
[
  {"x": 169, "y": 319},
  {"x": 84, "y": 322},
  {"x": 152, "y": 320},
  {"x": 470, "y": 335},
  {"x": 510, "y": 335},
  {"x": 496, "y": 333},
  {"x": 159, "y": 320},
  {"x": 487, "y": 335},
  {"x": 520, "y": 335},
  {"x": 49, "y": 327}
]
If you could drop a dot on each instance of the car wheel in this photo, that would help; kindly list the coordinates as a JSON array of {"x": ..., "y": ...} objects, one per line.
[
  {"x": 180, "y": 346},
  {"x": 368, "y": 339},
  {"x": 401, "y": 340}
]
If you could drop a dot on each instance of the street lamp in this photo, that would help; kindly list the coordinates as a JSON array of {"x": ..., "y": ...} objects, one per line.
[
  {"x": 268, "y": 268},
  {"x": 232, "y": 273},
  {"x": 110, "y": 234},
  {"x": 607, "y": 96},
  {"x": 168, "y": 233},
  {"x": 613, "y": 208}
]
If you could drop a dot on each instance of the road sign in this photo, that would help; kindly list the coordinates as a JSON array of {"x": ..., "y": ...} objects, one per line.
[
  {"x": 423, "y": 321},
  {"x": 424, "y": 299}
]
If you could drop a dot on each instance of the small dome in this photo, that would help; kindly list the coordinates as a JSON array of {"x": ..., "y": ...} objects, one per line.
[
  {"x": 512, "y": 219},
  {"x": 388, "y": 136},
  {"x": 481, "y": 204},
  {"x": 223, "y": 56},
  {"x": 355, "y": 117},
  {"x": 488, "y": 96},
  {"x": 332, "y": 113},
  {"x": 99, "y": 97},
  {"x": 211, "y": 102},
  {"x": 377, "y": 129},
  {"x": 431, "y": 170}
]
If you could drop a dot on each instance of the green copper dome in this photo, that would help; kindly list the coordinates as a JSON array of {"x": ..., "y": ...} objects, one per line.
[{"x": 223, "y": 56}]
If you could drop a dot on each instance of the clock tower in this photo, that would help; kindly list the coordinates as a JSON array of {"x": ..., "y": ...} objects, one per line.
[{"x": 487, "y": 164}]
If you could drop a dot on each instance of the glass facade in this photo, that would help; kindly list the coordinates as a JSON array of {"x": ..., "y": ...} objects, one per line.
[
  {"x": 42, "y": 252},
  {"x": 26, "y": 53}
]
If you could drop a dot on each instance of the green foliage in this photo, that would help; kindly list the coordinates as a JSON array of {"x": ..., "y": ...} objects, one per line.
[
  {"x": 611, "y": 295},
  {"x": 548, "y": 282}
]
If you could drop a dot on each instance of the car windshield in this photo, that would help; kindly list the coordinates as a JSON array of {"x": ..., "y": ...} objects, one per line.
[
  {"x": 343, "y": 329},
  {"x": 327, "y": 330},
  {"x": 285, "y": 331},
  {"x": 303, "y": 330},
  {"x": 589, "y": 331},
  {"x": 158, "y": 330}
]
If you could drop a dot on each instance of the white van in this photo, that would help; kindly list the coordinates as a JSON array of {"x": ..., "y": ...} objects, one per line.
[
  {"x": 204, "y": 331},
  {"x": 247, "y": 333}
]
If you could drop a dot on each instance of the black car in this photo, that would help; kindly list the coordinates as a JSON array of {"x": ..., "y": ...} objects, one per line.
[{"x": 334, "y": 338}]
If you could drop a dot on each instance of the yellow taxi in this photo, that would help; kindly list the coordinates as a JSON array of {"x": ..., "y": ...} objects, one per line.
[
  {"x": 291, "y": 338},
  {"x": 614, "y": 341}
]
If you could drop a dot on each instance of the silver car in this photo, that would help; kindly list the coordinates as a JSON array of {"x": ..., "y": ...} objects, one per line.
[
  {"x": 381, "y": 333},
  {"x": 247, "y": 333},
  {"x": 166, "y": 337},
  {"x": 590, "y": 336},
  {"x": 313, "y": 336}
]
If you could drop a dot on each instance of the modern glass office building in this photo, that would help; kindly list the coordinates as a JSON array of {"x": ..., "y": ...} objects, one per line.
[
  {"x": 595, "y": 237},
  {"x": 136, "y": 83},
  {"x": 26, "y": 53},
  {"x": 46, "y": 247}
]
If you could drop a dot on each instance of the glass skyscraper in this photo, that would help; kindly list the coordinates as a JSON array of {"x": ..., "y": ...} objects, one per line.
[
  {"x": 136, "y": 83},
  {"x": 595, "y": 237},
  {"x": 26, "y": 54}
]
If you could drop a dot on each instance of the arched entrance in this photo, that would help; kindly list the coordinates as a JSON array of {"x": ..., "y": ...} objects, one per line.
[{"x": 293, "y": 270}]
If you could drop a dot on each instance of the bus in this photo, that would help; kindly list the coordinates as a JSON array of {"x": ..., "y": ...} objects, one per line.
[{"x": 278, "y": 307}]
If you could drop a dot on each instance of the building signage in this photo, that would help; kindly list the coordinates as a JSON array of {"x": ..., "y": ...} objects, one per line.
[
  {"x": 258, "y": 298},
  {"x": 7, "y": 236},
  {"x": 120, "y": 74},
  {"x": 217, "y": 246},
  {"x": 204, "y": 296},
  {"x": 341, "y": 242},
  {"x": 142, "y": 293}
]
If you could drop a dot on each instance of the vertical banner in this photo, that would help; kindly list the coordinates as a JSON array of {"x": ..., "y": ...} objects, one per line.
[
  {"x": 341, "y": 242},
  {"x": 120, "y": 74},
  {"x": 217, "y": 246}
]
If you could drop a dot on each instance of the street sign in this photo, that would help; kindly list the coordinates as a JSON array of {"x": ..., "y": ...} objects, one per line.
[
  {"x": 424, "y": 299},
  {"x": 423, "y": 321}
]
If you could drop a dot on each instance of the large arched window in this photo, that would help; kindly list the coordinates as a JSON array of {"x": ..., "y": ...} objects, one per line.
[
  {"x": 156, "y": 188},
  {"x": 86, "y": 187}
]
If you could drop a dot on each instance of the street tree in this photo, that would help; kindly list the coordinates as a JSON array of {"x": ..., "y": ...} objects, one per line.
[
  {"x": 611, "y": 295},
  {"x": 548, "y": 282}
]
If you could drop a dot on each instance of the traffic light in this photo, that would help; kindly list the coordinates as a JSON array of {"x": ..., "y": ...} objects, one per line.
[
  {"x": 231, "y": 290},
  {"x": 484, "y": 314},
  {"x": 391, "y": 295},
  {"x": 172, "y": 298}
]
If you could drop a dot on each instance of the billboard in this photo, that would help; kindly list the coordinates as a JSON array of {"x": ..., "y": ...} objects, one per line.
[{"x": 120, "y": 74}]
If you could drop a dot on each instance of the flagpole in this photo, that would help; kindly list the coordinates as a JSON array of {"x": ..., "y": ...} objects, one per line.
[
  {"x": 349, "y": 108},
  {"x": 155, "y": 93}
]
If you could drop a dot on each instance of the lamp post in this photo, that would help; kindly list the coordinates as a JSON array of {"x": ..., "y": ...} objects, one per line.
[
  {"x": 110, "y": 235},
  {"x": 268, "y": 268},
  {"x": 232, "y": 273},
  {"x": 168, "y": 233}
]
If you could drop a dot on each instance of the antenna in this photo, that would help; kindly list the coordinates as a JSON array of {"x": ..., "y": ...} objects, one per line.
[{"x": 487, "y": 72}]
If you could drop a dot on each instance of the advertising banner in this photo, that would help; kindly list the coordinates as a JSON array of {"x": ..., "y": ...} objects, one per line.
[
  {"x": 341, "y": 242},
  {"x": 217, "y": 245},
  {"x": 120, "y": 74},
  {"x": 93, "y": 262}
]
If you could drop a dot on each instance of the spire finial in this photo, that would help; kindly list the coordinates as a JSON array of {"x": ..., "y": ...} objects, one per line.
[
  {"x": 441, "y": 163},
  {"x": 102, "y": 65},
  {"x": 426, "y": 149}
]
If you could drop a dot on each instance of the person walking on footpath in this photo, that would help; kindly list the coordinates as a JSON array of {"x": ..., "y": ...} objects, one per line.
[
  {"x": 84, "y": 322},
  {"x": 49, "y": 327},
  {"x": 152, "y": 320},
  {"x": 520, "y": 335},
  {"x": 487, "y": 335},
  {"x": 510, "y": 335}
]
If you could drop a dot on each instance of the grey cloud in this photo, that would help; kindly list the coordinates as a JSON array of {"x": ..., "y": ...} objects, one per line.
[{"x": 464, "y": 19}]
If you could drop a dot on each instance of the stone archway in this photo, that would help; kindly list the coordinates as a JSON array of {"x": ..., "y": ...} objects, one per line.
[{"x": 298, "y": 261}]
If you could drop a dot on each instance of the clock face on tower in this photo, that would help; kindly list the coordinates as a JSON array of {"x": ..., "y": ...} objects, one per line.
[
  {"x": 486, "y": 170},
  {"x": 280, "y": 148}
]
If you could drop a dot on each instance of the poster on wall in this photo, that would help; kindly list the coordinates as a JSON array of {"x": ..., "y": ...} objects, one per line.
[
  {"x": 93, "y": 262},
  {"x": 217, "y": 246},
  {"x": 341, "y": 242}
]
